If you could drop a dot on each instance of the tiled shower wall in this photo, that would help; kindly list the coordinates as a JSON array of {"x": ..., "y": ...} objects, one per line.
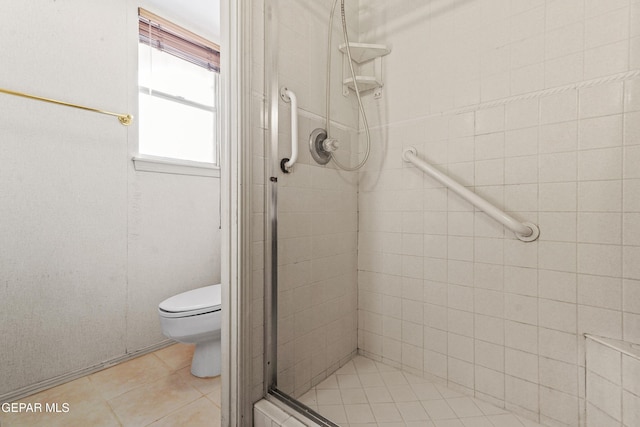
[
  {"x": 317, "y": 304},
  {"x": 612, "y": 383},
  {"x": 534, "y": 105}
]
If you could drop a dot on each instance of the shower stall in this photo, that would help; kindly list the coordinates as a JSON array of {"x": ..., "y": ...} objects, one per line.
[{"x": 390, "y": 296}]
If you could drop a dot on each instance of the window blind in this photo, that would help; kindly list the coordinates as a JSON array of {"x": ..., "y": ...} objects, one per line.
[{"x": 168, "y": 37}]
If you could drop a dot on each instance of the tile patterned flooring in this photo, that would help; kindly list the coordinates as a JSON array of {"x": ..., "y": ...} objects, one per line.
[
  {"x": 155, "y": 390},
  {"x": 367, "y": 393},
  {"x": 158, "y": 390}
]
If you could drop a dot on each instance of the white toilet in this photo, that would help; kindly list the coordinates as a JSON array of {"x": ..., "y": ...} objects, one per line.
[{"x": 194, "y": 317}]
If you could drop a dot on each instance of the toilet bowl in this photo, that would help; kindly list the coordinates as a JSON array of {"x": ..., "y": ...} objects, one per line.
[{"x": 194, "y": 317}]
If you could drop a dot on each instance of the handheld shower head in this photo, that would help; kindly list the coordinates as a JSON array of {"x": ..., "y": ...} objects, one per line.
[{"x": 363, "y": 114}]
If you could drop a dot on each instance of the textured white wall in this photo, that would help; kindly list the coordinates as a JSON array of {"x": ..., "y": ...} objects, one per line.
[
  {"x": 89, "y": 246},
  {"x": 444, "y": 291},
  {"x": 174, "y": 245}
]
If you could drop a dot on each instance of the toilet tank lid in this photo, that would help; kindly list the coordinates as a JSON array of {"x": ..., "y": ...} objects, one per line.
[{"x": 196, "y": 299}]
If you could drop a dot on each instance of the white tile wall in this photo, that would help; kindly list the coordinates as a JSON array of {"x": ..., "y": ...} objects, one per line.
[
  {"x": 501, "y": 318},
  {"x": 612, "y": 378}
]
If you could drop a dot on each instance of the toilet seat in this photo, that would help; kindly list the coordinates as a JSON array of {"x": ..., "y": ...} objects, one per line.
[{"x": 192, "y": 303}]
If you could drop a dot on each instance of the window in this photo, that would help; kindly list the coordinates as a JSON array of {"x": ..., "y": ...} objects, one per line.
[{"x": 178, "y": 80}]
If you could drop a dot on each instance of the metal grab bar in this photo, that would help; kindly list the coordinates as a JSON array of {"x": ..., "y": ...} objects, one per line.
[
  {"x": 525, "y": 231},
  {"x": 124, "y": 119},
  {"x": 289, "y": 96}
]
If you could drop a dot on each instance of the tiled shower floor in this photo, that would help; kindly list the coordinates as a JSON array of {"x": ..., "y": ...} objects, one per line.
[{"x": 367, "y": 393}]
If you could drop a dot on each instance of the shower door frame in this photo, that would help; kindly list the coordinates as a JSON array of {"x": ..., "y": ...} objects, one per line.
[
  {"x": 237, "y": 402},
  {"x": 271, "y": 199}
]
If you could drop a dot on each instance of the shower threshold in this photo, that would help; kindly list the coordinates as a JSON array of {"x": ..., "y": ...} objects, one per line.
[
  {"x": 366, "y": 392},
  {"x": 301, "y": 408}
]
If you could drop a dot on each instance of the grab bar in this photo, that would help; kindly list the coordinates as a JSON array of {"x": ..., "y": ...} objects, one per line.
[
  {"x": 525, "y": 231},
  {"x": 289, "y": 96}
]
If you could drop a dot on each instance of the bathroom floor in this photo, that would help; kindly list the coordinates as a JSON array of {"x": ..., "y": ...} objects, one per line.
[
  {"x": 367, "y": 393},
  {"x": 156, "y": 389}
]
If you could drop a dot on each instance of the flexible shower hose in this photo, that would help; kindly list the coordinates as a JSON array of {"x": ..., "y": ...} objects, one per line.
[{"x": 355, "y": 85}]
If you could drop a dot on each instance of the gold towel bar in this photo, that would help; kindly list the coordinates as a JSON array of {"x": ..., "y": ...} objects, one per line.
[{"x": 124, "y": 119}]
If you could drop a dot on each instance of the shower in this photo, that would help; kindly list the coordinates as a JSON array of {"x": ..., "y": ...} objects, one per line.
[
  {"x": 321, "y": 144},
  {"x": 401, "y": 297}
]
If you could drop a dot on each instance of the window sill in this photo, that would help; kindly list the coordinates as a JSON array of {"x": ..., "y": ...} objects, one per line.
[{"x": 174, "y": 166}]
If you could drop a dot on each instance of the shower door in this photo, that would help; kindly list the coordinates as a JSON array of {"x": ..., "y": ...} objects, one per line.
[{"x": 311, "y": 221}]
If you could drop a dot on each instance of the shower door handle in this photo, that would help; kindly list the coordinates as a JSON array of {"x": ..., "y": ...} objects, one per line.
[{"x": 288, "y": 96}]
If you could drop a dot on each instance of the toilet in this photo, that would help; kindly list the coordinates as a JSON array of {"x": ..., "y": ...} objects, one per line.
[{"x": 194, "y": 317}]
